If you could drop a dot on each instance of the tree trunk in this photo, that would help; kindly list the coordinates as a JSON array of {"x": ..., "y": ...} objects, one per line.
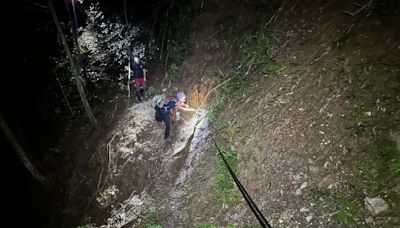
[
  {"x": 63, "y": 93},
  {"x": 21, "y": 152},
  {"x": 165, "y": 30},
  {"x": 74, "y": 67}
]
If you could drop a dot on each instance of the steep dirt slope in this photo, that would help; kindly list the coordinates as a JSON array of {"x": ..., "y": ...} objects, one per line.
[{"x": 308, "y": 135}]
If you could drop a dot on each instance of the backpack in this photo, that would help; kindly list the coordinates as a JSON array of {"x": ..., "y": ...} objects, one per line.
[
  {"x": 159, "y": 100},
  {"x": 158, "y": 113}
]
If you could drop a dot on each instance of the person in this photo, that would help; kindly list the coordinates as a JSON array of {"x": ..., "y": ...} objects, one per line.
[
  {"x": 138, "y": 76},
  {"x": 167, "y": 110},
  {"x": 164, "y": 112},
  {"x": 181, "y": 105}
]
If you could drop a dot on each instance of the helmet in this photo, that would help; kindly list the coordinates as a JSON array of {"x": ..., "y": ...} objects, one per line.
[
  {"x": 181, "y": 96},
  {"x": 136, "y": 59}
]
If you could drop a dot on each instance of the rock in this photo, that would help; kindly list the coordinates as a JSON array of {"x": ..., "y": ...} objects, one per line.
[
  {"x": 368, "y": 113},
  {"x": 325, "y": 182},
  {"x": 299, "y": 191},
  {"x": 369, "y": 220},
  {"x": 287, "y": 215},
  {"x": 308, "y": 218},
  {"x": 375, "y": 205},
  {"x": 303, "y": 209},
  {"x": 314, "y": 170}
]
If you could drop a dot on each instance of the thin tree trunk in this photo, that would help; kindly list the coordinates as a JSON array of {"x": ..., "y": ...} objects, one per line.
[
  {"x": 63, "y": 93},
  {"x": 126, "y": 15},
  {"x": 21, "y": 152},
  {"x": 74, "y": 67},
  {"x": 129, "y": 57},
  {"x": 165, "y": 30},
  {"x": 154, "y": 23},
  {"x": 74, "y": 24}
]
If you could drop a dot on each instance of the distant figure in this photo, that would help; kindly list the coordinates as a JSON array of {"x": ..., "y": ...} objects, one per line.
[
  {"x": 138, "y": 76},
  {"x": 167, "y": 110}
]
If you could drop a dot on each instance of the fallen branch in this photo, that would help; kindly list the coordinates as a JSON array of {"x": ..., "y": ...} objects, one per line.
[
  {"x": 115, "y": 109},
  {"x": 62, "y": 90},
  {"x": 101, "y": 172},
  {"x": 359, "y": 10},
  {"x": 109, "y": 152},
  {"x": 250, "y": 64}
]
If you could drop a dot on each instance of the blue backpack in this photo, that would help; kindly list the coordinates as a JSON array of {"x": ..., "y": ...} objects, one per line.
[{"x": 164, "y": 110}]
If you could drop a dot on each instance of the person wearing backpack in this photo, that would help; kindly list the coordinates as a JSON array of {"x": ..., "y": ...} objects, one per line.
[
  {"x": 164, "y": 112},
  {"x": 138, "y": 76},
  {"x": 167, "y": 110}
]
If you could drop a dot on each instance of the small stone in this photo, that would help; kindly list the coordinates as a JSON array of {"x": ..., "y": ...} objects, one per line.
[
  {"x": 299, "y": 191},
  {"x": 325, "y": 182},
  {"x": 375, "y": 205},
  {"x": 303, "y": 209},
  {"x": 369, "y": 220},
  {"x": 368, "y": 113},
  {"x": 314, "y": 170},
  {"x": 308, "y": 218}
]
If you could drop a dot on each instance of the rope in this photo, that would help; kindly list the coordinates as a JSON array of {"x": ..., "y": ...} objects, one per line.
[{"x": 260, "y": 217}]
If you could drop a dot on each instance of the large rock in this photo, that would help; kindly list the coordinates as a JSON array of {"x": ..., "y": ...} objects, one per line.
[{"x": 375, "y": 205}]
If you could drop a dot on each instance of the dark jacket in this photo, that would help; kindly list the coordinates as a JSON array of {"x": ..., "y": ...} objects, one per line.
[{"x": 137, "y": 70}]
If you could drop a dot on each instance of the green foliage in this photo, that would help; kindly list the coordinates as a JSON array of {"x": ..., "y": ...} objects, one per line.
[
  {"x": 216, "y": 106},
  {"x": 151, "y": 220},
  {"x": 362, "y": 115},
  {"x": 251, "y": 224},
  {"x": 179, "y": 43},
  {"x": 252, "y": 59},
  {"x": 382, "y": 165},
  {"x": 347, "y": 209},
  {"x": 227, "y": 189},
  {"x": 206, "y": 225},
  {"x": 320, "y": 194},
  {"x": 105, "y": 42}
]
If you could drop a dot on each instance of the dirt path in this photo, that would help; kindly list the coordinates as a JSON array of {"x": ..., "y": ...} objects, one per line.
[{"x": 142, "y": 170}]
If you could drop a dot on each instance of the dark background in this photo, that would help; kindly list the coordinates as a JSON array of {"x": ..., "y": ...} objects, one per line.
[{"x": 30, "y": 44}]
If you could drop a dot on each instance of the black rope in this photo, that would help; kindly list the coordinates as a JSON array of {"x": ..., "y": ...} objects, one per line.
[{"x": 260, "y": 217}]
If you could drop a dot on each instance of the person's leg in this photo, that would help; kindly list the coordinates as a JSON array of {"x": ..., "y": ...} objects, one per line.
[
  {"x": 132, "y": 92},
  {"x": 137, "y": 89},
  {"x": 141, "y": 84},
  {"x": 167, "y": 121}
]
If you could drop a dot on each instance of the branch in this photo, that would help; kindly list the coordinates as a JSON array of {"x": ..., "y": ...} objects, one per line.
[{"x": 359, "y": 10}]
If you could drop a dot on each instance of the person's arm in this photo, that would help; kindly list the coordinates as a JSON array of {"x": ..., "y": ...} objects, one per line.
[
  {"x": 186, "y": 107},
  {"x": 144, "y": 73}
]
